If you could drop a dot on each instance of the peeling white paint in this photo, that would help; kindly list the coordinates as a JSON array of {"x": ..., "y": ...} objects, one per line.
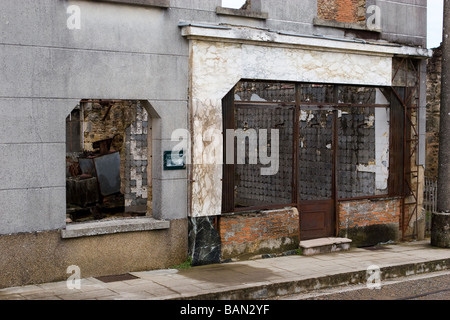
[
  {"x": 217, "y": 66},
  {"x": 306, "y": 116}
]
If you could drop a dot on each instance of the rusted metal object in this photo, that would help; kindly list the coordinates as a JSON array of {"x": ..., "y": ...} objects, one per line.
[
  {"x": 107, "y": 168},
  {"x": 407, "y": 74}
]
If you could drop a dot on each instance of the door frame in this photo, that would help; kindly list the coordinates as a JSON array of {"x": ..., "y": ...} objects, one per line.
[{"x": 328, "y": 207}]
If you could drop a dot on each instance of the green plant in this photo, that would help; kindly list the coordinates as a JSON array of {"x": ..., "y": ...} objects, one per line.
[{"x": 185, "y": 265}]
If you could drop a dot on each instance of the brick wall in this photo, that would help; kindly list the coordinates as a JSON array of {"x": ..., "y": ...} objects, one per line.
[
  {"x": 361, "y": 213},
  {"x": 349, "y": 11},
  {"x": 256, "y": 233},
  {"x": 370, "y": 222}
]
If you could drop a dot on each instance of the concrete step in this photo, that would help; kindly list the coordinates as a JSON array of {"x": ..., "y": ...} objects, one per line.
[{"x": 324, "y": 245}]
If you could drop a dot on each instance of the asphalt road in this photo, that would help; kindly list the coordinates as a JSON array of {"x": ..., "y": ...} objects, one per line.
[{"x": 435, "y": 286}]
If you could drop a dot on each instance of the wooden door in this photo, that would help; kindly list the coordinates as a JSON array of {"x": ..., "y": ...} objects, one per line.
[{"x": 317, "y": 174}]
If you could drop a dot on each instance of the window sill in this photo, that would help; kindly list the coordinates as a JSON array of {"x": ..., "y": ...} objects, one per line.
[
  {"x": 145, "y": 3},
  {"x": 242, "y": 13},
  {"x": 343, "y": 25},
  {"x": 91, "y": 229}
]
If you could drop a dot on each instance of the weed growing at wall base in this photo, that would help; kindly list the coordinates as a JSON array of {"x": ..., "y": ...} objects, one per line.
[{"x": 185, "y": 265}]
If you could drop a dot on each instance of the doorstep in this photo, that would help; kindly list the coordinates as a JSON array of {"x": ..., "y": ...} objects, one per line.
[{"x": 324, "y": 245}]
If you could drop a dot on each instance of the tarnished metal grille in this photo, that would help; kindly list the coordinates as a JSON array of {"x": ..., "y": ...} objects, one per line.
[
  {"x": 265, "y": 92},
  {"x": 252, "y": 188},
  {"x": 357, "y": 159},
  {"x": 335, "y": 143},
  {"x": 316, "y": 155}
]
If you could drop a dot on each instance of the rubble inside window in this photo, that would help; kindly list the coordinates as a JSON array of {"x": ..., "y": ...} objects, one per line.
[{"x": 106, "y": 176}]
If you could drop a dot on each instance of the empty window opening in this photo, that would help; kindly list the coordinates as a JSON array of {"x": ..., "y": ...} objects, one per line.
[
  {"x": 107, "y": 176},
  {"x": 237, "y": 4}
]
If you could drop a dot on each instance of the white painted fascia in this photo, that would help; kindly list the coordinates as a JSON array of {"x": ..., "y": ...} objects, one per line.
[{"x": 274, "y": 38}]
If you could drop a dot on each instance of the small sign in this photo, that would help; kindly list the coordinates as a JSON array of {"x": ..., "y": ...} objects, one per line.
[{"x": 174, "y": 160}]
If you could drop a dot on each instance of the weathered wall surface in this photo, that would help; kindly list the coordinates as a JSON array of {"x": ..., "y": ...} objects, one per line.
[
  {"x": 434, "y": 69},
  {"x": 369, "y": 222},
  {"x": 46, "y": 257},
  {"x": 403, "y": 21},
  {"x": 351, "y": 11},
  {"x": 47, "y": 69},
  {"x": 120, "y": 52},
  {"x": 133, "y": 53},
  {"x": 217, "y": 67},
  {"x": 256, "y": 233}
]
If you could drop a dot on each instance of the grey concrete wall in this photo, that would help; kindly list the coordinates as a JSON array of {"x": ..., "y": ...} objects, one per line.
[
  {"x": 46, "y": 257},
  {"x": 403, "y": 21},
  {"x": 120, "y": 52}
]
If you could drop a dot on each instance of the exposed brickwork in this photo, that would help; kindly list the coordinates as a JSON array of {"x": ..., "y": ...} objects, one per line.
[
  {"x": 136, "y": 162},
  {"x": 264, "y": 232},
  {"x": 362, "y": 213},
  {"x": 349, "y": 11}
]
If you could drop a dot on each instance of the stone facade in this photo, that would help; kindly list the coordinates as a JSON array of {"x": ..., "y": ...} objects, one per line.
[{"x": 434, "y": 69}]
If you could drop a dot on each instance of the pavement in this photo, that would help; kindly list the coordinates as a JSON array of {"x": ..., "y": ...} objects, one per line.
[{"x": 252, "y": 279}]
